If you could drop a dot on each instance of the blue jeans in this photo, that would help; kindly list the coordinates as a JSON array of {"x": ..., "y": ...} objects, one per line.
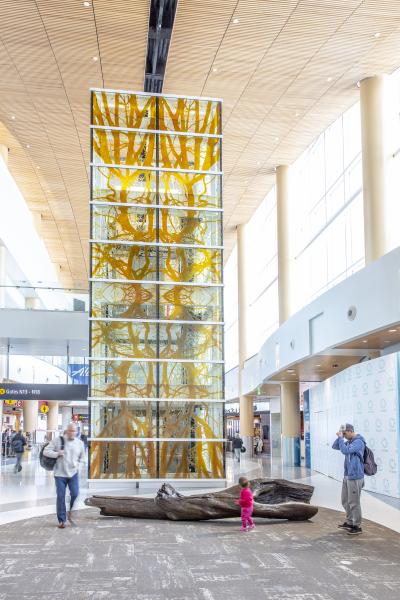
[{"x": 61, "y": 487}]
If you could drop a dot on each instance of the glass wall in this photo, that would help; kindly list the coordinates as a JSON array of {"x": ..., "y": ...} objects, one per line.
[
  {"x": 327, "y": 210},
  {"x": 156, "y": 335}
]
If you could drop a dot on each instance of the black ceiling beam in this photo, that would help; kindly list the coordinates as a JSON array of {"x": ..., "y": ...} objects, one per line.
[{"x": 161, "y": 21}]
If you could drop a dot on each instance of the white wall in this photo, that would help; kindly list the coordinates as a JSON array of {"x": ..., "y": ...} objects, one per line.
[
  {"x": 374, "y": 291},
  {"x": 365, "y": 395}
]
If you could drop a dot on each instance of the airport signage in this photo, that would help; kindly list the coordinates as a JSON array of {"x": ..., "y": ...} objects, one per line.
[{"x": 45, "y": 391}]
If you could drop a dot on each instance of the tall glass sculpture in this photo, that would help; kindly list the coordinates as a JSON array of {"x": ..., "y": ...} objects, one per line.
[{"x": 156, "y": 315}]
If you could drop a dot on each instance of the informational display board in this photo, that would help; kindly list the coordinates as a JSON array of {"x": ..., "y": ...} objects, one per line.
[
  {"x": 367, "y": 396},
  {"x": 42, "y": 391}
]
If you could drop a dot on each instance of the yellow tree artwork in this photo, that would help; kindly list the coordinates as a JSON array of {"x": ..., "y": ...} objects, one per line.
[{"x": 156, "y": 314}]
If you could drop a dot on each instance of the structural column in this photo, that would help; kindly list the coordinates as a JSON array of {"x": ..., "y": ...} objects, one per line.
[
  {"x": 375, "y": 158},
  {"x": 290, "y": 423},
  {"x": 246, "y": 410},
  {"x": 52, "y": 416},
  {"x": 283, "y": 229},
  {"x": 66, "y": 414},
  {"x": 30, "y": 415}
]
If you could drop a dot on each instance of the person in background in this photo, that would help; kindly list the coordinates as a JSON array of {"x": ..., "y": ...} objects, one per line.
[
  {"x": 260, "y": 445},
  {"x": 66, "y": 470},
  {"x": 246, "y": 504},
  {"x": 237, "y": 446},
  {"x": 18, "y": 443},
  {"x": 353, "y": 480}
]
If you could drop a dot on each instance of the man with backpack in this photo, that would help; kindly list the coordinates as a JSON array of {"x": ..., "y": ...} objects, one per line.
[
  {"x": 69, "y": 452},
  {"x": 353, "y": 446},
  {"x": 18, "y": 443}
]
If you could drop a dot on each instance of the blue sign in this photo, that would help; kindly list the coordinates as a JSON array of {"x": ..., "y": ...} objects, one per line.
[
  {"x": 79, "y": 373},
  {"x": 307, "y": 436}
]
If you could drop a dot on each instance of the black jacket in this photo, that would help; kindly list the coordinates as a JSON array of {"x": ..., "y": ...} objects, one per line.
[{"x": 237, "y": 442}]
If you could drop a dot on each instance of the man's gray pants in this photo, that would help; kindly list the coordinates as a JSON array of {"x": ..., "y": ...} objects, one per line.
[
  {"x": 237, "y": 453},
  {"x": 351, "y": 494}
]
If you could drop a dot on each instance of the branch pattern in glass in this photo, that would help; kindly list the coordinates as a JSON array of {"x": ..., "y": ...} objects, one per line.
[{"x": 157, "y": 375}]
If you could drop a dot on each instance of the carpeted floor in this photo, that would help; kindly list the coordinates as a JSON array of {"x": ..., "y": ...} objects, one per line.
[{"x": 128, "y": 559}]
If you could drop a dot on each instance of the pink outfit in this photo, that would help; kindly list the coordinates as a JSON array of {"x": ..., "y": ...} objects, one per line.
[{"x": 246, "y": 505}]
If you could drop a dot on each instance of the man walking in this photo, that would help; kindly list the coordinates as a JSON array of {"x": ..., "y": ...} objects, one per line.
[
  {"x": 69, "y": 452},
  {"x": 237, "y": 446},
  {"x": 353, "y": 481},
  {"x": 18, "y": 444}
]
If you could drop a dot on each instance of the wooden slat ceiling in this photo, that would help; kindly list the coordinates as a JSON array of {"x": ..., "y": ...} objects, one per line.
[
  {"x": 46, "y": 70},
  {"x": 272, "y": 72},
  {"x": 273, "y": 68}
]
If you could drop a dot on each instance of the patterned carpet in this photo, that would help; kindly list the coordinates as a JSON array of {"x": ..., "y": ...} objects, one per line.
[{"x": 127, "y": 559}]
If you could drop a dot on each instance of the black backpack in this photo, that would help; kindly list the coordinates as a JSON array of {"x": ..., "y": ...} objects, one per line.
[
  {"x": 45, "y": 461},
  {"x": 370, "y": 466}
]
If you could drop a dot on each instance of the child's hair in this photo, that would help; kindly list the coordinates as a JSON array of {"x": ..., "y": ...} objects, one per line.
[{"x": 243, "y": 482}]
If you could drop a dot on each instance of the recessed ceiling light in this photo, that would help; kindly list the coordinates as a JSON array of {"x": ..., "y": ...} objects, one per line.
[
  {"x": 236, "y": 21},
  {"x": 387, "y": 341},
  {"x": 297, "y": 114},
  {"x": 28, "y": 146},
  {"x": 377, "y": 34},
  {"x": 13, "y": 117},
  {"x": 277, "y": 139},
  {"x": 329, "y": 79},
  {"x": 95, "y": 58},
  {"x": 317, "y": 365},
  {"x": 291, "y": 371},
  {"x": 38, "y": 167},
  {"x": 215, "y": 69},
  {"x": 392, "y": 330},
  {"x": 358, "y": 84},
  {"x": 364, "y": 341},
  {"x": 86, "y": 4}
]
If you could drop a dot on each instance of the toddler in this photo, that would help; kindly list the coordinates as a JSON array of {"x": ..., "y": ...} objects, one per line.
[{"x": 246, "y": 504}]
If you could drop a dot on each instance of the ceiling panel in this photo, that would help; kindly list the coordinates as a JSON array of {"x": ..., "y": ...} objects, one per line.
[{"x": 271, "y": 68}]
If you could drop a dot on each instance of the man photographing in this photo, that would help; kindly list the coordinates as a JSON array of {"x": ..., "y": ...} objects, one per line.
[{"x": 352, "y": 445}]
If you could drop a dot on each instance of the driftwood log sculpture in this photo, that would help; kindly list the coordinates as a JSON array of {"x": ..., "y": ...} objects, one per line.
[{"x": 273, "y": 499}]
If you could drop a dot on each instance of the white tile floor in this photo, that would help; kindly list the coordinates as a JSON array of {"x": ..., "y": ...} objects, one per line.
[{"x": 31, "y": 493}]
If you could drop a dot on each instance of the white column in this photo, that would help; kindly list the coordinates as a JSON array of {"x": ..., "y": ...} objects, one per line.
[
  {"x": 30, "y": 412},
  {"x": 66, "y": 414},
  {"x": 4, "y": 153},
  {"x": 290, "y": 423},
  {"x": 245, "y": 402},
  {"x": 283, "y": 230},
  {"x": 52, "y": 416},
  {"x": 375, "y": 161}
]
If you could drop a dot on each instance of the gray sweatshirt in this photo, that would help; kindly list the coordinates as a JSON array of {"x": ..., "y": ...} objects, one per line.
[{"x": 74, "y": 453}]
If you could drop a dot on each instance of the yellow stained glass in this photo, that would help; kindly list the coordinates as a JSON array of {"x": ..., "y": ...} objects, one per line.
[{"x": 156, "y": 295}]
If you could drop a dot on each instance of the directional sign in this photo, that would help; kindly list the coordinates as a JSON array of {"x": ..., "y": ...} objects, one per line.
[{"x": 45, "y": 391}]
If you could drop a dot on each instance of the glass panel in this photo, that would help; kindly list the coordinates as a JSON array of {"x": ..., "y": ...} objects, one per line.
[
  {"x": 191, "y": 420},
  {"x": 124, "y": 223},
  {"x": 137, "y": 460},
  {"x": 123, "y": 379},
  {"x": 190, "y": 189},
  {"x": 191, "y": 380},
  {"x": 123, "y": 460},
  {"x": 120, "y": 379},
  {"x": 186, "y": 114},
  {"x": 138, "y": 301},
  {"x": 186, "y": 460},
  {"x": 125, "y": 340},
  {"x": 114, "y": 147},
  {"x": 191, "y": 264},
  {"x": 186, "y": 152},
  {"x": 114, "y": 261},
  {"x": 123, "y": 185},
  {"x": 190, "y": 303},
  {"x": 190, "y": 227},
  {"x": 123, "y": 419},
  {"x": 135, "y": 418},
  {"x": 149, "y": 340},
  {"x": 124, "y": 110}
]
